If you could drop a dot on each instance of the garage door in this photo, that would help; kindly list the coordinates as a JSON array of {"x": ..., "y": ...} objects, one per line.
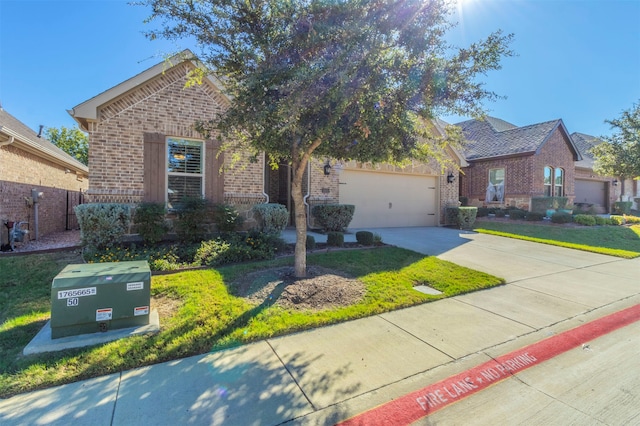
[
  {"x": 389, "y": 199},
  {"x": 591, "y": 192}
]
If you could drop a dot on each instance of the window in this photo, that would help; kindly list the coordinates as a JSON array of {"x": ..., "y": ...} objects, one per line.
[
  {"x": 495, "y": 189},
  {"x": 548, "y": 181},
  {"x": 184, "y": 170},
  {"x": 558, "y": 184},
  {"x": 553, "y": 182}
]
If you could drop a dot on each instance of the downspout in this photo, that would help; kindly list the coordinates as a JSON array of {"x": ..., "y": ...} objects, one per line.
[
  {"x": 264, "y": 177},
  {"x": 7, "y": 142},
  {"x": 304, "y": 199}
]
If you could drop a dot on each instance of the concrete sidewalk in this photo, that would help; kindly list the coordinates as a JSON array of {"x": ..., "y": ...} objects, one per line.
[{"x": 329, "y": 374}]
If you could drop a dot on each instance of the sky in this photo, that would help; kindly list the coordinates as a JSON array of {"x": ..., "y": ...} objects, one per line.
[{"x": 578, "y": 60}]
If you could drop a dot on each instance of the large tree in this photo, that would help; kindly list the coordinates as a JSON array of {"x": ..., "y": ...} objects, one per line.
[
  {"x": 346, "y": 79},
  {"x": 619, "y": 154},
  {"x": 72, "y": 141}
]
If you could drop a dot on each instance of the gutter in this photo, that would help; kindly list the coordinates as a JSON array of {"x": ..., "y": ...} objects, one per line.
[{"x": 40, "y": 149}]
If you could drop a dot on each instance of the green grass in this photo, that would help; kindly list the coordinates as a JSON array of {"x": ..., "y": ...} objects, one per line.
[
  {"x": 209, "y": 316},
  {"x": 620, "y": 241}
]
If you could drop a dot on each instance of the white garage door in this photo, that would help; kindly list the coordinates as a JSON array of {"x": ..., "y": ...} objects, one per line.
[
  {"x": 389, "y": 199},
  {"x": 591, "y": 192}
]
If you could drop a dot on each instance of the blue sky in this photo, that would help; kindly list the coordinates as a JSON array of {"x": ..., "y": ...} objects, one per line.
[{"x": 577, "y": 60}]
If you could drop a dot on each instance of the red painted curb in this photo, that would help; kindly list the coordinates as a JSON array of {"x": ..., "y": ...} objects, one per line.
[{"x": 416, "y": 405}]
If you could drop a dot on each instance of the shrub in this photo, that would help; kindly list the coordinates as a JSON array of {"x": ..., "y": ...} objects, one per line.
[
  {"x": 192, "y": 214},
  {"x": 365, "y": 238},
  {"x": 226, "y": 218},
  {"x": 335, "y": 239},
  {"x": 483, "y": 212},
  {"x": 622, "y": 207},
  {"x": 311, "y": 242},
  {"x": 377, "y": 239},
  {"x": 616, "y": 220},
  {"x": 334, "y": 217},
  {"x": 517, "y": 214},
  {"x": 602, "y": 220},
  {"x": 584, "y": 219},
  {"x": 237, "y": 248},
  {"x": 534, "y": 216},
  {"x": 271, "y": 218},
  {"x": 631, "y": 220},
  {"x": 561, "y": 217},
  {"x": 500, "y": 213},
  {"x": 451, "y": 216},
  {"x": 150, "y": 223},
  {"x": 467, "y": 217},
  {"x": 102, "y": 224}
]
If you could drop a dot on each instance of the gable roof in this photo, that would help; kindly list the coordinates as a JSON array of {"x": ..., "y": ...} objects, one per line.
[
  {"x": 87, "y": 111},
  {"x": 13, "y": 130},
  {"x": 492, "y": 137},
  {"x": 585, "y": 143}
]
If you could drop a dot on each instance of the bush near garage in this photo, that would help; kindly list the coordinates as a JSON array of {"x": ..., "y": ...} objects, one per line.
[
  {"x": 334, "y": 217},
  {"x": 365, "y": 238}
]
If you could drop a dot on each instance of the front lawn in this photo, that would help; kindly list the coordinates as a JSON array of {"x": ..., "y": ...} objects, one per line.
[
  {"x": 207, "y": 311},
  {"x": 621, "y": 241}
]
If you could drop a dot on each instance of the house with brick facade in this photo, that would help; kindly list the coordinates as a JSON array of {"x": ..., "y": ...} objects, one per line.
[
  {"x": 143, "y": 147},
  {"x": 30, "y": 163},
  {"x": 509, "y": 165},
  {"x": 595, "y": 191}
]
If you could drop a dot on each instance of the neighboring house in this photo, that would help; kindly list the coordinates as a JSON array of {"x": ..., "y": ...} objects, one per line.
[
  {"x": 31, "y": 163},
  {"x": 510, "y": 165},
  {"x": 592, "y": 190},
  {"x": 143, "y": 147}
]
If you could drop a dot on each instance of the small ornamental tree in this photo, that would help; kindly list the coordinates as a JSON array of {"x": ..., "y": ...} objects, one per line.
[
  {"x": 72, "y": 141},
  {"x": 619, "y": 155},
  {"x": 348, "y": 79}
]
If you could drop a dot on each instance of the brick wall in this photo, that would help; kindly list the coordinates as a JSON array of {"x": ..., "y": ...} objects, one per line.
[
  {"x": 161, "y": 105},
  {"x": 524, "y": 175},
  {"x": 23, "y": 171}
]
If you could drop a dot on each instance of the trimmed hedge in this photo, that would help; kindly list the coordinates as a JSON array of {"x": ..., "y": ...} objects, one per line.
[
  {"x": 365, "y": 238},
  {"x": 617, "y": 220},
  {"x": 534, "y": 216},
  {"x": 602, "y": 220},
  {"x": 561, "y": 217},
  {"x": 334, "y": 217},
  {"x": 467, "y": 217},
  {"x": 271, "y": 218},
  {"x": 585, "y": 219},
  {"x": 516, "y": 214},
  {"x": 103, "y": 224},
  {"x": 335, "y": 239},
  {"x": 311, "y": 242}
]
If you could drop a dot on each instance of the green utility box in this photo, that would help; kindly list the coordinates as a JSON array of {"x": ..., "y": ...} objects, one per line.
[{"x": 99, "y": 297}]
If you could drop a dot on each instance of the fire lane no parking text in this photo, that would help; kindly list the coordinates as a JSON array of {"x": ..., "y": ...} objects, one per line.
[{"x": 419, "y": 404}]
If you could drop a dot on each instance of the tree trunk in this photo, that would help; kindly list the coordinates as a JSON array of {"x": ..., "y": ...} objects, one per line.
[
  {"x": 299, "y": 160},
  {"x": 300, "y": 215}
]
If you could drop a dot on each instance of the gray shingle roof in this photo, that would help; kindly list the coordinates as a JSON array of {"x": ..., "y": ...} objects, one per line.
[
  {"x": 493, "y": 137},
  {"x": 8, "y": 121},
  {"x": 584, "y": 143}
]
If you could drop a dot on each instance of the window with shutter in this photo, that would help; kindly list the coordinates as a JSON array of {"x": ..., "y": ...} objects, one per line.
[{"x": 185, "y": 177}]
